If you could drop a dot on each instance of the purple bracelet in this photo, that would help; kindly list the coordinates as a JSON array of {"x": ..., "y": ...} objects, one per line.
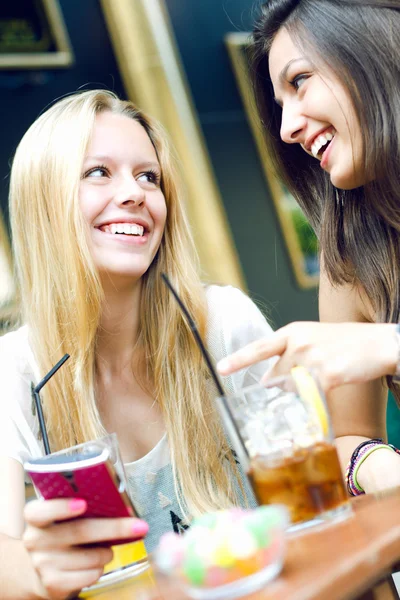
[{"x": 352, "y": 487}]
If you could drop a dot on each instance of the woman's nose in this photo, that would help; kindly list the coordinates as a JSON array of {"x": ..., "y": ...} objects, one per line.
[
  {"x": 130, "y": 193},
  {"x": 293, "y": 125}
]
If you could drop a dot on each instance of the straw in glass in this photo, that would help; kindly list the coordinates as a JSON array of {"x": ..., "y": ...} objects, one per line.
[
  {"x": 225, "y": 410},
  {"x": 35, "y": 395}
]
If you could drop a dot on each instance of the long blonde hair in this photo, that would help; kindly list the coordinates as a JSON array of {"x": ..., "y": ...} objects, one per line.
[{"x": 62, "y": 299}]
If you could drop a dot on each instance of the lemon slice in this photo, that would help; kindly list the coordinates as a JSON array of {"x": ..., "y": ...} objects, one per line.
[{"x": 310, "y": 393}]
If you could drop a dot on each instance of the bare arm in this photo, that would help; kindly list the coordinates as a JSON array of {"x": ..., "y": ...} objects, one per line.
[
  {"x": 359, "y": 410},
  {"x": 18, "y": 579}
]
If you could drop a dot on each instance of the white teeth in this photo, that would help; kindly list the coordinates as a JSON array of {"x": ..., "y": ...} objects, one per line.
[
  {"x": 137, "y": 230},
  {"x": 320, "y": 141},
  {"x": 126, "y": 228}
]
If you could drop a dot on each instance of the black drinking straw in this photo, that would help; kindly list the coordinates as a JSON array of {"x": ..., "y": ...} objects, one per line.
[
  {"x": 233, "y": 427},
  {"x": 38, "y": 404}
]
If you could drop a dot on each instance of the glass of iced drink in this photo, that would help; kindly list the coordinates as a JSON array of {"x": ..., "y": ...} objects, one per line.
[{"x": 283, "y": 437}]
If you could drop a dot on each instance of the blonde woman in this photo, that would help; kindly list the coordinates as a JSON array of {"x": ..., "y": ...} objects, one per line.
[{"x": 96, "y": 217}]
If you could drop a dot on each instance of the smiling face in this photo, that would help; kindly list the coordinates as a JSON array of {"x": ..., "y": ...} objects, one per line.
[
  {"x": 317, "y": 113},
  {"x": 121, "y": 198}
]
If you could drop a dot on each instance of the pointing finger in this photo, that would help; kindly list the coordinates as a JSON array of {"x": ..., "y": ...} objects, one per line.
[{"x": 253, "y": 353}]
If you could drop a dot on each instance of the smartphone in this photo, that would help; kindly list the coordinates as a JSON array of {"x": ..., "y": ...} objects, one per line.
[{"x": 88, "y": 474}]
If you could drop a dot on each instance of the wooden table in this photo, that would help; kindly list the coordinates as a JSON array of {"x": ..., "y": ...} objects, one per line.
[{"x": 345, "y": 561}]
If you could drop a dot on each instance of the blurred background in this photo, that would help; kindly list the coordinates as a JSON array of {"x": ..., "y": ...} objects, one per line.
[{"x": 174, "y": 59}]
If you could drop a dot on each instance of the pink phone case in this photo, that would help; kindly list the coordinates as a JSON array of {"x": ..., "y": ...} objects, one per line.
[{"x": 97, "y": 483}]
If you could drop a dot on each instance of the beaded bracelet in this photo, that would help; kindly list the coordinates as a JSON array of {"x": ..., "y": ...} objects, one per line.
[{"x": 357, "y": 458}]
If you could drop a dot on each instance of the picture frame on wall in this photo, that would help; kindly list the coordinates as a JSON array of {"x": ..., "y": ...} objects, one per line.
[
  {"x": 299, "y": 237},
  {"x": 33, "y": 35}
]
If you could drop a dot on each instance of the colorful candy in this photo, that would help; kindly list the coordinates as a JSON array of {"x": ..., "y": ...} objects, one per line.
[{"x": 224, "y": 547}]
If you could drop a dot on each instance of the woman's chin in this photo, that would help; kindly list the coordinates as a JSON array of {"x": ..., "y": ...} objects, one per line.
[
  {"x": 119, "y": 275},
  {"x": 347, "y": 181}
]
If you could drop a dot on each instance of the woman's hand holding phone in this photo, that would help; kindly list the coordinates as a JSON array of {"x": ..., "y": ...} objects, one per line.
[{"x": 64, "y": 552}]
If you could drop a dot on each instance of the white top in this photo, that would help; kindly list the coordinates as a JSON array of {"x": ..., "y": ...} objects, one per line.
[{"x": 234, "y": 321}]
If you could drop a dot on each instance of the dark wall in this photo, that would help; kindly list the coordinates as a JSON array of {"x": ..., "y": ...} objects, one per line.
[
  {"x": 24, "y": 94},
  {"x": 199, "y": 28}
]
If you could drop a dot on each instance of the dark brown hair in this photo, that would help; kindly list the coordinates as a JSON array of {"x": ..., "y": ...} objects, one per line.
[{"x": 358, "y": 229}]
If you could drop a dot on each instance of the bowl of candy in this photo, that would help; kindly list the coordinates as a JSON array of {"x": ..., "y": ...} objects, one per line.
[{"x": 226, "y": 554}]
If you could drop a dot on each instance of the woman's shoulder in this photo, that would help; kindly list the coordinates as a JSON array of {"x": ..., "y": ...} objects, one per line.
[
  {"x": 14, "y": 346},
  {"x": 17, "y": 363},
  {"x": 234, "y": 321},
  {"x": 234, "y": 315},
  {"x": 18, "y": 425},
  {"x": 345, "y": 302},
  {"x": 227, "y": 297},
  {"x": 15, "y": 337}
]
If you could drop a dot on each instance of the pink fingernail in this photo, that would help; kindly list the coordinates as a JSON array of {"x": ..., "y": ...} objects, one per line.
[
  {"x": 77, "y": 504},
  {"x": 139, "y": 528}
]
